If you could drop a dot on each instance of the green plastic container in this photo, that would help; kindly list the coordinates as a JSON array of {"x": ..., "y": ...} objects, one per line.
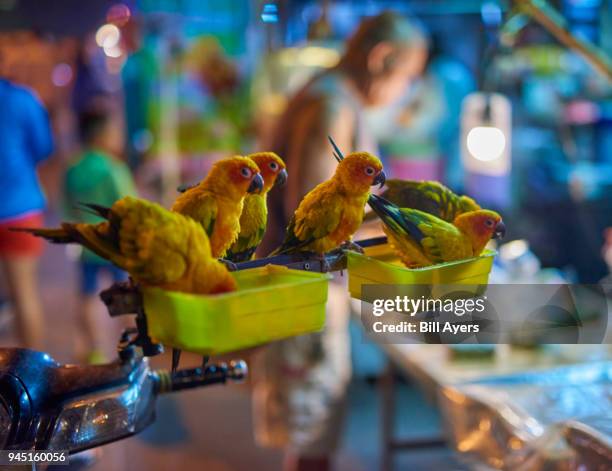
[
  {"x": 271, "y": 303},
  {"x": 379, "y": 265}
]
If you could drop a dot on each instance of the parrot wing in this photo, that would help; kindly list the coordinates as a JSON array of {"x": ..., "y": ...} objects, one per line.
[
  {"x": 156, "y": 245},
  {"x": 201, "y": 206},
  {"x": 414, "y": 194},
  {"x": 317, "y": 217},
  {"x": 245, "y": 246},
  {"x": 292, "y": 243},
  {"x": 428, "y": 231},
  {"x": 429, "y": 196}
]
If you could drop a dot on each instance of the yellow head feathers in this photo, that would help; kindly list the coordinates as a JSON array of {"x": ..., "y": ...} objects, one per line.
[
  {"x": 233, "y": 177},
  {"x": 481, "y": 226},
  {"x": 272, "y": 169},
  {"x": 358, "y": 171}
]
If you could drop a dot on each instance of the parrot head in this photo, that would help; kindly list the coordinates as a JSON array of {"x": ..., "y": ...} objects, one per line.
[
  {"x": 234, "y": 177},
  {"x": 358, "y": 171},
  {"x": 272, "y": 169},
  {"x": 481, "y": 226}
]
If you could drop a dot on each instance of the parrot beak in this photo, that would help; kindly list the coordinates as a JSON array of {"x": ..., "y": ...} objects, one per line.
[
  {"x": 380, "y": 179},
  {"x": 500, "y": 230},
  {"x": 281, "y": 178},
  {"x": 257, "y": 184}
]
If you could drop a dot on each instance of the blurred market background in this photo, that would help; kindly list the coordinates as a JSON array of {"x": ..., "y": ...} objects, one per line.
[{"x": 191, "y": 81}]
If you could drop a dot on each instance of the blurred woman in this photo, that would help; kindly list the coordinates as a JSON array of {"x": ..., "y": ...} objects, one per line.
[
  {"x": 25, "y": 141},
  {"x": 299, "y": 398}
]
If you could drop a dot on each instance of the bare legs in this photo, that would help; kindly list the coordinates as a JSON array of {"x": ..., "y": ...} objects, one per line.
[
  {"x": 90, "y": 331},
  {"x": 22, "y": 279}
]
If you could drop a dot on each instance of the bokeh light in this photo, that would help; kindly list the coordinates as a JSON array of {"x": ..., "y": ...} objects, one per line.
[
  {"x": 114, "y": 51},
  {"x": 108, "y": 36},
  {"x": 118, "y": 14},
  {"x": 486, "y": 143},
  {"x": 61, "y": 75}
]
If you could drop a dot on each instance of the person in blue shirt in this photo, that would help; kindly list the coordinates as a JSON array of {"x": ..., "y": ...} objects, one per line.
[{"x": 25, "y": 141}]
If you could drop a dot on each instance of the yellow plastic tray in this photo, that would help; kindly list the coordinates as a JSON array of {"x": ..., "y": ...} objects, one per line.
[
  {"x": 379, "y": 265},
  {"x": 271, "y": 303}
]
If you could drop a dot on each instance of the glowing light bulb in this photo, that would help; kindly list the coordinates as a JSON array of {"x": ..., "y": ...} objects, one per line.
[
  {"x": 113, "y": 52},
  {"x": 108, "y": 36},
  {"x": 486, "y": 143}
]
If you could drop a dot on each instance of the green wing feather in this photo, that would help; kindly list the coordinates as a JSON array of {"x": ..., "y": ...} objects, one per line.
[
  {"x": 201, "y": 207},
  {"x": 429, "y": 196},
  {"x": 292, "y": 243},
  {"x": 425, "y": 229},
  {"x": 152, "y": 241},
  {"x": 320, "y": 216},
  {"x": 244, "y": 248}
]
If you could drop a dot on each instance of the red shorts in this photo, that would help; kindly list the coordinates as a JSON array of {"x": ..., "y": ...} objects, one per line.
[{"x": 21, "y": 244}]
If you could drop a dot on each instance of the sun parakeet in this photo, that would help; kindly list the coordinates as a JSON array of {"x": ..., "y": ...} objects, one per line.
[
  {"x": 254, "y": 217},
  {"x": 429, "y": 196},
  {"x": 156, "y": 246},
  {"x": 333, "y": 211},
  {"x": 421, "y": 239},
  {"x": 217, "y": 201}
]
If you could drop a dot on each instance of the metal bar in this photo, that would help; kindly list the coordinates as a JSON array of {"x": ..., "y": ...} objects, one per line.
[
  {"x": 417, "y": 443},
  {"x": 548, "y": 17},
  {"x": 334, "y": 260},
  {"x": 390, "y": 444}
]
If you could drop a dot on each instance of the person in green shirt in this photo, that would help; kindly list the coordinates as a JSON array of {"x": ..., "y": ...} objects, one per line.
[{"x": 98, "y": 175}]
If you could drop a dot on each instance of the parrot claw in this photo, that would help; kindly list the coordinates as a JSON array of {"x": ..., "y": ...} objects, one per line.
[
  {"x": 325, "y": 266},
  {"x": 231, "y": 266},
  {"x": 350, "y": 245},
  {"x": 205, "y": 360},
  {"x": 176, "y": 358}
]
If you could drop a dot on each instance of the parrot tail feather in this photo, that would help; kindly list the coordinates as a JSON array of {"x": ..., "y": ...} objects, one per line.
[
  {"x": 186, "y": 187},
  {"x": 337, "y": 153},
  {"x": 243, "y": 256},
  {"x": 96, "y": 209},
  {"x": 391, "y": 216},
  {"x": 294, "y": 247},
  {"x": 276, "y": 251},
  {"x": 57, "y": 235}
]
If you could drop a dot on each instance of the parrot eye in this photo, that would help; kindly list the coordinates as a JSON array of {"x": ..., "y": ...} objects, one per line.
[
  {"x": 489, "y": 223},
  {"x": 369, "y": 171},
  {"x": 273, "y": 166},
  {"x": 246, "y": 172}
]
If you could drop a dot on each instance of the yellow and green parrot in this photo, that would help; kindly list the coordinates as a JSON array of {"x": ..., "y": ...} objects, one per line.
[
  {"x": 217, "y": 201},
  {"x": 155, "y": 246},
  {"x": 254, "y": 217},
  {"x": 421, "y": 239},
  {"x": 429, "y": 196},
  {"x": 332, "y": 212}
]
